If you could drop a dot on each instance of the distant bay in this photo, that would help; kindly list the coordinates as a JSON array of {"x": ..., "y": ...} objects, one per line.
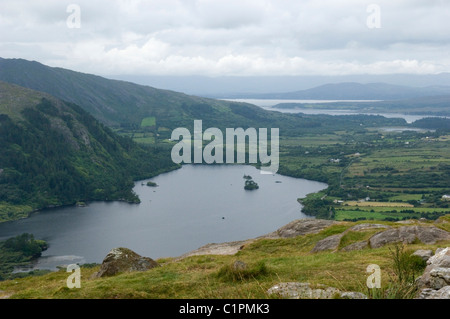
[{"x": 269, "y": 104}]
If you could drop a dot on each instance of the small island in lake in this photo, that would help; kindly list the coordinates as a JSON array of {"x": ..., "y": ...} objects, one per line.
[
  {"x": 250, "y": 185},
  {"x": 152, "y": 184}
]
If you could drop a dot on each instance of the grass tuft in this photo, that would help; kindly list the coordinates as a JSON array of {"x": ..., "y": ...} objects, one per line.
[{"x": 232, "y": 273}]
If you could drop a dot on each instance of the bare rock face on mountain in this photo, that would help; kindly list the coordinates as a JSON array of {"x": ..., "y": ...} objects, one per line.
[
  {"x": 408, "y": 234},
  {"x": 122, "y": 260}
]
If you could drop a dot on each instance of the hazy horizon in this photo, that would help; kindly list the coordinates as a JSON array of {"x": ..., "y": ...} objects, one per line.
[{"x": 224, "y": 38}]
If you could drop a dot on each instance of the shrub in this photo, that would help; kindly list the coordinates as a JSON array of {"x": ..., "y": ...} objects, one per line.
[{"x": 405, "y": 268}]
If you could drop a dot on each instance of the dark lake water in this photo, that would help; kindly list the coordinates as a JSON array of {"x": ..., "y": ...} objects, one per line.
[{"x": 191, "y": 207}]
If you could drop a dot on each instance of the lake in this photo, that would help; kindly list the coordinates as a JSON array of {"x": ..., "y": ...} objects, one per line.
[
  {"x": 268, "y": 105},
  {"x": 191, "y": 207}
]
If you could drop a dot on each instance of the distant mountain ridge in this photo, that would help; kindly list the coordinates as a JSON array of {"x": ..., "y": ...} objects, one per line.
[
  {"x": 356, "y": 91},
  {"x": 231, "y": 86},
  {"x": 120, "y": 103}
]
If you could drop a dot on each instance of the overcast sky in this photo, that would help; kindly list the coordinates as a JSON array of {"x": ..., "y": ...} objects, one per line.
[{"x": 228, "y": 37}]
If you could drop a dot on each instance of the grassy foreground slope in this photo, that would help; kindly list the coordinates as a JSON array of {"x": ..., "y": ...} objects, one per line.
[{"x": 270, "y": 261}]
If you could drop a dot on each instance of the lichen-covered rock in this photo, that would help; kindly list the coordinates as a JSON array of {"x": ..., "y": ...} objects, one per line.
[
  {"x": 439, "y": 277},
  {"x": 122, "y": 260},
  {"x": 304, "y": 290},
  {"x": 441, "y": 258},
  {"x": 435, "y": 281},
  {"x": 428, "y": 293}
]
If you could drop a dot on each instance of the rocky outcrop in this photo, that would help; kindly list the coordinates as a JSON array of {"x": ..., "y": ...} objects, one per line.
[
  {"x": 388, "y": 234},
  {"x": 228, "y": 248},
  {"x": 301, "y": 227},
  {"x": 408, "y": 234},
  {"x": 356, "y": 246},
  {"x": 366, "y": 226},
  {"x": 332, "y": 242},
  {"x": 304, "y": 290},
  {"x": 435, "y": 281},
  {"x": 405, "y": 234},
  {"x": 293, "y": 229},
  {"x": 122, "y": 260},
  {"x": 428, "y": 293},
  {"x": 329, "y": 243}
]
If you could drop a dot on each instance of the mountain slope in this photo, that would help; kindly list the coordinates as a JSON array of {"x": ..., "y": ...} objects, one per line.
[
  {"x": 55, "y": 153},
  {"x": 119, "y": 103}
]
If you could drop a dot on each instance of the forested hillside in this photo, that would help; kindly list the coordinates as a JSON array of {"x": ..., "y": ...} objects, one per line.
[{"x": 55, "y": 153}]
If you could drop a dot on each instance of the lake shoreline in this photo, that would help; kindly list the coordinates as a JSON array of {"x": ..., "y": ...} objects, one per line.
[{"x": 219, "y": 219}]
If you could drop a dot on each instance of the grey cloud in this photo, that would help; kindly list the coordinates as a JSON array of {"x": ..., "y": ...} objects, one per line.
[{"x": 215, "y": 37}]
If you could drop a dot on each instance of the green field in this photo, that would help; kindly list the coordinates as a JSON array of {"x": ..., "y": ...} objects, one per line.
[
  {"x": 381, "y": 213},
  {"x": 145, "y": 139},
  {"x": 148, "y": 121},
  {"x": 406, "y": 197}
]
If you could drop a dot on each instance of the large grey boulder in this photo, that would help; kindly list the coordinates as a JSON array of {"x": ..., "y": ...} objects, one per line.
[
  {"x": 328, "y": 243},
  {"x": 408, "y": 234},
  {"x": 123, "y": 260},
  {"x": 304, "y": 290}
]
